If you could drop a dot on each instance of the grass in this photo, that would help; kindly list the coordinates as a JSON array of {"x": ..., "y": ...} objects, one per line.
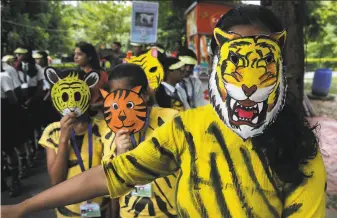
[{"x": 333, "y": 88}]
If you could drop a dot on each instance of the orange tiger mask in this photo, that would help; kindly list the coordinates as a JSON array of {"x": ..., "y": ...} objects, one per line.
[{"x": 124, "y": 109}]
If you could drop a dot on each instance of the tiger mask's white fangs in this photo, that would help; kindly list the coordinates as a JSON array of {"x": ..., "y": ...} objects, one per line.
[
  {"x": 247, "y": 85},
  {"x": 71, "y": 94}
]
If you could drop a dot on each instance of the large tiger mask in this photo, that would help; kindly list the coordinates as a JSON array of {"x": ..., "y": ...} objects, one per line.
[
  {"x": 247, "y": 86},
  {"x": 71, "y": 94}
]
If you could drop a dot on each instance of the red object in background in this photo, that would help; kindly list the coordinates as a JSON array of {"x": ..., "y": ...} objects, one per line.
[
  {"x": 215, "y": 18},
  {"x": 206, "y": 96},
  {"x": 201, "y": 18},
  {"x": 129, "y": 54},
  {"x": 208, "y": 15}
]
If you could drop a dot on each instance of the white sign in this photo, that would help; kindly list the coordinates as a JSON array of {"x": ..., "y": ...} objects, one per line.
[{"x": 144, "y": 22}]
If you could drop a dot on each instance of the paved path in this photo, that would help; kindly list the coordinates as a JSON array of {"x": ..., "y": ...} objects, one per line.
[
  {"x": 327, "y": 133},
  {"x": 37, "y": 182}
]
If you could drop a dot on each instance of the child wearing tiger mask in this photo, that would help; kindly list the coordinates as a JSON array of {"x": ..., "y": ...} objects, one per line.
[
  {"x": 247, "y": 154},
  {"x": 72, "y": 144},
  {"x": 132, "y": 119}
]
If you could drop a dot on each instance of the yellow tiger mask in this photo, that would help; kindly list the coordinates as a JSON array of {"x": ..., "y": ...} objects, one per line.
[
  {"x": 247, "y": 85},
  {"x": 153, "y": 69},
  {"x": 71, "y": 94},
  {"x": 124, "y": 109}
]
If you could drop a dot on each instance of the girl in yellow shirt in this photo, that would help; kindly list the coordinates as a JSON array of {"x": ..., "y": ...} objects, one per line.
[
  {"x": 73, "y": 144},
  {"x": 245, "y": 155},
  {"x": 159, "y": 200}
]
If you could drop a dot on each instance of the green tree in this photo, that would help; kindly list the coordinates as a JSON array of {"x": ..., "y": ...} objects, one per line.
[
  {"x": 321, "y": 32},
  {"x": 292, "y": 14},
  {"x": 98, "y": 22},
  {"x": 34, "y": 23}
]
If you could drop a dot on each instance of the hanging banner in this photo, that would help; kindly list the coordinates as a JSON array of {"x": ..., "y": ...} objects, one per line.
[{"x": 144, "y": 22}]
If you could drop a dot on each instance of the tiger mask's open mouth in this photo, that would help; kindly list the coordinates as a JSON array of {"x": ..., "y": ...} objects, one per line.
[{"x": 246, "y": 112}]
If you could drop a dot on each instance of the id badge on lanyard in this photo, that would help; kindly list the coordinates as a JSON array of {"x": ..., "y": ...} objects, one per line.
[
  {"x": 142, "y": 190},
  {"x": 88, "y": 209}
]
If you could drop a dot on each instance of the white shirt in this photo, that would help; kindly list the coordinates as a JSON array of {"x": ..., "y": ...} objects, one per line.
[
  {"x": 6, "y": 84},
  {"x": 46, "y": 84},
  {"x": 13, "y": 73},
  {"x": 194, "y": 91},
  {"x": 181, "y": 93},
  {"x": 31, "y": 81}
]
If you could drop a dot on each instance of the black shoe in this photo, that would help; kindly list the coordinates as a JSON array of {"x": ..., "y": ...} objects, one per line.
[{"x": 15, "y": 189}]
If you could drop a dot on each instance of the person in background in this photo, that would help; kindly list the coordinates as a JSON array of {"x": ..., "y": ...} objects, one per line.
[
  {"x": 9, "y": 133},
  {"x": 191, "y": 83},
  {"x": 117, "y": 56},
  {"x": 177, "y": 47},
  {"x": 87, "y": 60},
  {"x": 41, "y": 59},
  {"x": 8, "y": 63},
  {"x": 159, "y": 201},
  {"x": 31, "y": 76},
  {"x": 136, "y": 48},
  {"x": 168, "y": 94},
  {"x": 48, "y": 112}
]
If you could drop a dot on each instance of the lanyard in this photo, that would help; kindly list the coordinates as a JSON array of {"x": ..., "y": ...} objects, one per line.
[
  {"x": 192, "y": 96},
  {"x": 142, "y": 138},
  {"x": 77, "y": 151}
]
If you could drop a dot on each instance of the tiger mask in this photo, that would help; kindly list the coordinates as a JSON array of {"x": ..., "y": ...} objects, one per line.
[
  {"x": 71, "y": 94},
  {"x": 247, "y": 85},
  {"x": 151, "y": 65},
  {"x": 125, "y": 109}
]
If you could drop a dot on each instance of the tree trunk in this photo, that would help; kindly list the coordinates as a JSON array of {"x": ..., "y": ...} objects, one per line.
[{"x": 291, "y": 15}]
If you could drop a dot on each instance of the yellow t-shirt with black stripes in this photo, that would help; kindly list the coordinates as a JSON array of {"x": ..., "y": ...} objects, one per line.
[
  {"x": 162, "y": 202},
  {"x": 50, "y": 139},
  {"x": 221, "y": 175}
]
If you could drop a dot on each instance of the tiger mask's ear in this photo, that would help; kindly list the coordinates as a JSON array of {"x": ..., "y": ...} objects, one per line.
[
  {"x": 103, "y": 93},
  {"x": 280, "y": 38},
  {"x": 137, "y": 89},
  {"x": 222, "y": 37},
  {"x": 51, "y": 75},
  {"x": 91, "y": 79}
]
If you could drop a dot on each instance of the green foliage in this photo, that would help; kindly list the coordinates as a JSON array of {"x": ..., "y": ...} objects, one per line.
[
  {"x": 56, "y": 26},
  {"x": 314, "y": 63},
  {"x": 98, "y": 22},
  {"x": 171, "y": 24},
  {"x": 321, "y": 32},
  {"x": 38, "y": 24}
]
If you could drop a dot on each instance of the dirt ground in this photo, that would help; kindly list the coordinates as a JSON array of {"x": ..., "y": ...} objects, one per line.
[
  {"x": 328, "y": 109},
  {"x": 325, "y": 108}
]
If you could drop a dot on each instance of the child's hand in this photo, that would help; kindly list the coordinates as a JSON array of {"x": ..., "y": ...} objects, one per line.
[{"x": 123, "y": 141}]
